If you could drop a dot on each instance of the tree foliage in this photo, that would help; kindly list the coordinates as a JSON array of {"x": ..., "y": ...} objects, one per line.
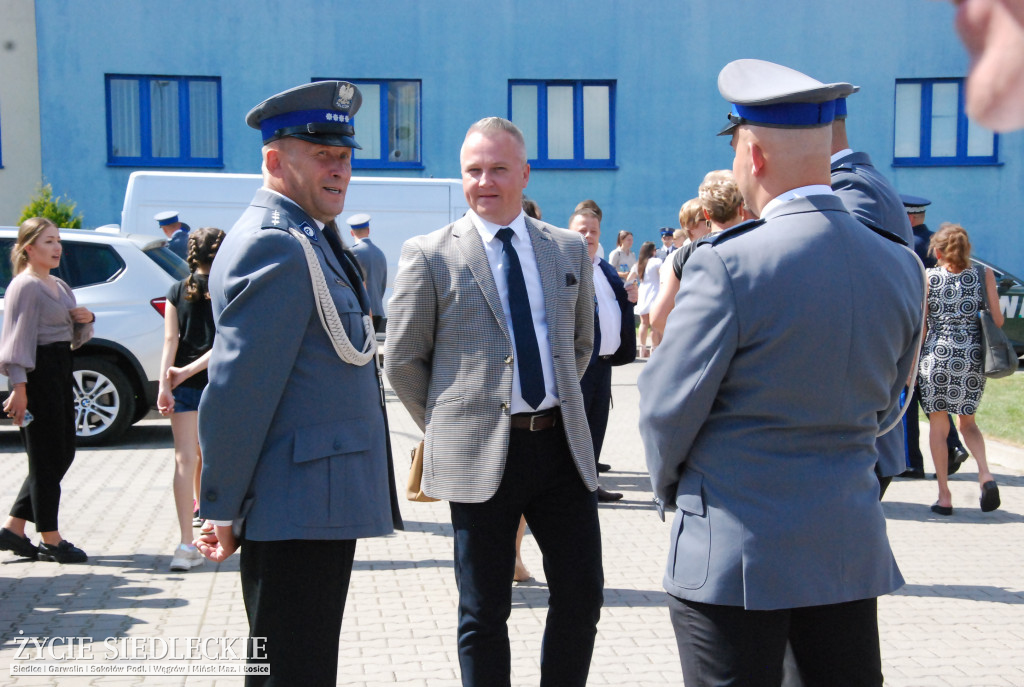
[{"x": 60, "y": 209}]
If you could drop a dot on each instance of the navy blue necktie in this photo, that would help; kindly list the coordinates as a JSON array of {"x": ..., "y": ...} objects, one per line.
[{"x": 531, "y": 374}]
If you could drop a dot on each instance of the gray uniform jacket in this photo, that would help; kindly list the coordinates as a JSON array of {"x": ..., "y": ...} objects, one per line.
[
  {"x": 294, "y": 440},
  {"x": 450, "y": 356},
  {"x": 759, "y": 410},
  {"x": 178, "y": 243},
  {"x": 375, "y": 270},
  {"x": 872, "y": 199}
]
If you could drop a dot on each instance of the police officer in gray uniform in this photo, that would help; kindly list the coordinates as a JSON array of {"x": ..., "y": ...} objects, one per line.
[
  {"x": 292, "y": 424},
  {"x": 759, "y": 410},
  {"x": 176, "y": 232},
  {"x": 872, "y": 199},
  {"x": 374, "y": 264}
]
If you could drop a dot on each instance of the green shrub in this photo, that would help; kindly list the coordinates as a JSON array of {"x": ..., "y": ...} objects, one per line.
[{"x": 59, "y": 210}]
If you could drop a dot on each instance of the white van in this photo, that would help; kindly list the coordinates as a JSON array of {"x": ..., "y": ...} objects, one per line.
[{"x": 400, "y": 208}]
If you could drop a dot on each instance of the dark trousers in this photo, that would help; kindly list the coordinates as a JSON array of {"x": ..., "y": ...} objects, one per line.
[
  {"x": 541, "y": 482},
  {"x": 597, "y": 398},
  {"x": 50, "y": 438},
  {"x": 294, "y": 593},
  {"x": 728, "y": 645},
  {"x": 914, "y": 458}
]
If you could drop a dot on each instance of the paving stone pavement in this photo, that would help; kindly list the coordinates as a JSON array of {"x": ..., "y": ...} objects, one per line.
[{"x": 959, "y": 621}]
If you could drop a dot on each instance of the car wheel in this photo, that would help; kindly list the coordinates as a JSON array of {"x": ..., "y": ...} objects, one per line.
[{"x": 104, "y": 402}]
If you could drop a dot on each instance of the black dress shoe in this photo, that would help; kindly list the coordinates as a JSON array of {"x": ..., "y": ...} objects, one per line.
[
  {"x": 603, "y": 467},
  {"x": 605, "y": 496},
  {"x": 989, "y": 496},
  {"x": 65, "y": 552},
  {"x": 911, "y": 473},
  {"x": 957, "y": 457},
  {"x": 20, "y": 546}
]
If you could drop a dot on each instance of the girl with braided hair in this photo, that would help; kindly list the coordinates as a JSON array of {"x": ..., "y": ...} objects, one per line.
[{"x": 188, "y": 338}]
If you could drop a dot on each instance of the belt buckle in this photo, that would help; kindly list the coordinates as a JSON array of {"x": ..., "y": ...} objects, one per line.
[{"x": 532, "y": 418}]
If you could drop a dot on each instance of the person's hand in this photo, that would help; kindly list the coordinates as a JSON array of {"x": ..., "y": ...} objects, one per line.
[
  {"x": 16, "y": 404},
  {"x": 177, "y": 375},
  {"x": 632, "y": 291},
  {"x": 217, "y": 545},
  {"x": 165, "y": 401},
  {"x": 82, "y": 315}
]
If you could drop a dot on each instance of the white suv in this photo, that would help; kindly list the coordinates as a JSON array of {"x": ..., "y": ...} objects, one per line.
[{"x": 124, "y": 279}]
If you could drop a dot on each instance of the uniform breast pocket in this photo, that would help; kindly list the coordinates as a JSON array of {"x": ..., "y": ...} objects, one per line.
[
  {"x": 349, "y": 311},
  {"x": 331, "y": 466},
  {"x": 691, "y": 533}
]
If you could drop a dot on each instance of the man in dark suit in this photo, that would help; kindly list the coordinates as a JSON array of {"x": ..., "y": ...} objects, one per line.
[
  {"x": 759, "y": 414},
  {"x": 374, "y": 264},
  {"x": 915, "y": 207},
  {"x": 872, "y": 199},
  {"x": 490, "y": 329},
  {"x": 614, "y": 335},
  {"x": 292, "y": 425}
]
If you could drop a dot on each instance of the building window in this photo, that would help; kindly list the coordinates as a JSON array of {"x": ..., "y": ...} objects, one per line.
[
  {"x": 566, "y": 124},
  {"x": 932, "y": 129},
  {"x": 164, "y": 121},
  {"x": 387, "y": 124}
]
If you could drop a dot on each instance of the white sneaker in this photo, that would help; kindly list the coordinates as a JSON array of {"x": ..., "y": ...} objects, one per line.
[{"x": 186, "y": 556}]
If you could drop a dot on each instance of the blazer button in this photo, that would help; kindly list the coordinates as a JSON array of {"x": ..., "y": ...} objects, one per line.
[
  {"x": 508, "y": 360},
  {"x": 211, "y": 495},
  {"x": 504, "y": 406},
  {"x": 337, "y": 444}
]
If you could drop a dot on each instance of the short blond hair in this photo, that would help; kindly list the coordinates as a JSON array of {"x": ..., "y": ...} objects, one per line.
[
  {"x": 720, "y": 195},
  {"x": 690, "y": 213}
]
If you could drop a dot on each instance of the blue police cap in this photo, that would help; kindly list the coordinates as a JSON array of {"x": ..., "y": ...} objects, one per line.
[
  {"x": 165, "y": 218},
  {"x": 768, "y": 94},
  {"x": 667, "y": 231},
  {"x": 914, "y": 204},
  {"x": 319, "y": 112}
]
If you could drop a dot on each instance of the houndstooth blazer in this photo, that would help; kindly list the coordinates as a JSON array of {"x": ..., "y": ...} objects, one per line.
[{"x": 449, "y": 354}]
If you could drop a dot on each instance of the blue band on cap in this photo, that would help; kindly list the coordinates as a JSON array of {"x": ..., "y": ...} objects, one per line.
[
  {"x": 361, "y": 225},
  {"x": 840, "y": 107},
  {"x": 787, "y": 114},
  {"x": 270, "y": 125}
]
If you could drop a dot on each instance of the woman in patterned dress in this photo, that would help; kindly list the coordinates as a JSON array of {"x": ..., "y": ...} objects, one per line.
[{"x": 950, "y": 375}]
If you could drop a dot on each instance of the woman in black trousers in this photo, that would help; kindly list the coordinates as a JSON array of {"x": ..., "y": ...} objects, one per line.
[{"x": 41, "y": 325}]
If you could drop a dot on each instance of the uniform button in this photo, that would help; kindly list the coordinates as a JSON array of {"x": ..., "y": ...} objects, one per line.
[
  {"x": 508, "y": 359},
  {"x": 337, "y": 444}
]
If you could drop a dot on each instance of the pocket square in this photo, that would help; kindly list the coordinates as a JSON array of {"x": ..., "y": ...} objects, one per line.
[{"x": 570, "y": 279}]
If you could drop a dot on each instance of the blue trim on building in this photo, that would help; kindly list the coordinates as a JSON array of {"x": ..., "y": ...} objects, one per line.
[
  {"x": 146, "y": 157},
  {"x": 961, "y": 159}
]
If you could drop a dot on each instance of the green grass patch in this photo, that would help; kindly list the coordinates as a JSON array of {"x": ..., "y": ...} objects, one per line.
[{"x": 1001, "y": 415}]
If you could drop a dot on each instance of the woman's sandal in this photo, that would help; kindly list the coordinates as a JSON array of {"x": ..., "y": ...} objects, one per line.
[{"x": 989, "y": 496}]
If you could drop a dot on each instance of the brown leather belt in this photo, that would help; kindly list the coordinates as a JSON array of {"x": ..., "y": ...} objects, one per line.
[{"x": 535, "y": 422}]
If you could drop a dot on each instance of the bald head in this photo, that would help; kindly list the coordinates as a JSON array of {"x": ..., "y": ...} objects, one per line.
[{"x": 770, "y": 161}]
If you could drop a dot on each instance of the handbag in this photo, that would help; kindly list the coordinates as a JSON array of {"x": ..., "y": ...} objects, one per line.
[
  {"x": 413, "y": 490},
  {"x": 999, "y": 356}
]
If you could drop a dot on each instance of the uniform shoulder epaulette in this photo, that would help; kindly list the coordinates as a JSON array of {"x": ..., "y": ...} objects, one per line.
[
  {"x": 885, "y": 234},
  {"x": 273, "y": 218},
  {"x": 732, "y": 232},
  {"x": 844, "y": 167}
]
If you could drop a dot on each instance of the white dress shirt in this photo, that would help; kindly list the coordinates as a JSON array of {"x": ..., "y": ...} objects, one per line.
[
  {"x": 801, "y": 192},
  {"x": 534, "y": 289},
  {"x": 608, "y": 313}
]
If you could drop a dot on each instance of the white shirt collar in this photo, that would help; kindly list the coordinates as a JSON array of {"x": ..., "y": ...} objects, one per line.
[
  {"x": 841, "y": 154},
  {"x": 488, "y": 230},
  {"x": 801, "y": 192}
]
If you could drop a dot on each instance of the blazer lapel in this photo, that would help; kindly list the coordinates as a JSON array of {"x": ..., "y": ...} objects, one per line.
[
  {"x": 471, "y": 245},
  {"x": 547, "y": 255}
]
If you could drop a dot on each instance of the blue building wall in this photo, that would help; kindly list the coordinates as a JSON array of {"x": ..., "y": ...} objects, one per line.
[{"x": 664, "y": 55}]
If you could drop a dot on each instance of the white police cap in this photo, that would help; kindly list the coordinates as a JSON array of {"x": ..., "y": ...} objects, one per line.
[
  {"x": 360, "y": 221},
  {"x": 767, "y": 94}
]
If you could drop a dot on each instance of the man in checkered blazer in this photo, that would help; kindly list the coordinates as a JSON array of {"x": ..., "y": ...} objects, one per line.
[{"x": 501, "y": 407}]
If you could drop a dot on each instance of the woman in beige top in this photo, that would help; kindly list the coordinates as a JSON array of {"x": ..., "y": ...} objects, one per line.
[{"x": 41, "y": 325}]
